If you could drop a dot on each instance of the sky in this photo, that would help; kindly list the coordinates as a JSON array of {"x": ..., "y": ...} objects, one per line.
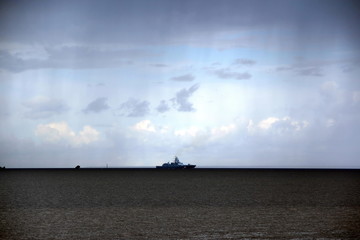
[{"x": 218, "y": 83}]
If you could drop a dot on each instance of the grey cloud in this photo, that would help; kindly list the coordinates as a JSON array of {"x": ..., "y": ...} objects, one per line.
[
  {"x": 163, "y": 107},
  {"x": 133, "y": 108},
  {"x": 184, "y": 78},
  {"x": 312, "y": 71},
  {"x": 226, "y": 73},
  {"x": 96, "y": 85},
  {"x": 96, "y": 106},
  {"x": 72, "y": 58},
  {"x": 244, "y": 61},
  {"x": 347, "y": 68},
  {"x": 280, "y": 69},
  {"x": 212, "y": 67},
  {"x": 43, "y": 107},
  {"x": 351, "y": 65},
  {"x": 81, "y": 52},
  {"x": 302, "y": 70},
  {"x": 159, "y": 65},
  {"x": 13, "y": 63},
  {"x": 181, "y": 100},
  {"x": 4, "y": 107}
]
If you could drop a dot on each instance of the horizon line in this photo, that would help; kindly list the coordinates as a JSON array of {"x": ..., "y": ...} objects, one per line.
[{"x": 201, "y": 167}]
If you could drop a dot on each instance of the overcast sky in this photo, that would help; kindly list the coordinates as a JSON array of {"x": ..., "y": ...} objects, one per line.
[{"x": 218, "y": 83}]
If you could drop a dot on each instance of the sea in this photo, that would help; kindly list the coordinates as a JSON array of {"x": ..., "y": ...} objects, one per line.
[{"x": 179, "y": 204}]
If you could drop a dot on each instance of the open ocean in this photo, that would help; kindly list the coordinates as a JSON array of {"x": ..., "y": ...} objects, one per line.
[{"x": 179, "y": 204}]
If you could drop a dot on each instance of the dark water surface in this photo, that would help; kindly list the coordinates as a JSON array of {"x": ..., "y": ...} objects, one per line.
[{"x": 190, "y": 204}]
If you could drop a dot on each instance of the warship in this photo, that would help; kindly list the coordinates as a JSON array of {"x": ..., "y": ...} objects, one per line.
[{"x": 176, "y": 164}]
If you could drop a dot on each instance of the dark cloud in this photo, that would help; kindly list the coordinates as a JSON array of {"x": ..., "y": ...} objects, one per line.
[
  {"x": 43, "y": 107},
  {"x": 226, "y": 73},
  {"x": 163, "y": 107},
  {"x": 133, "y": 108},
  {"x": 96, "y": 106},
  {"x": 181, "y": 100},
  {"x": 284, "y": 25},
  {"x": 145, "y": 21},
  {"x": 160, "y": 21},
  {"x": 244, "y": 61},
  {"x": 184, "y": 78}
]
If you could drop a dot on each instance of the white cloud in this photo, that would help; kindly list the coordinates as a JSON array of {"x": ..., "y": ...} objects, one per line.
[
  {"x": 330, "y": 122},
  {"x": 87, "y": 136},
  {"x": 299, "y": 125},
  {"x": 207, "y": 134},
  {"x": 251, "y": 128},
  {"x": 222, "y": 131},
  {"x": 60, "y": 132},
  {"x": 188, "y": 132},
  {"x": 144, "y": 125},
  {"x": 266, "y": 123},
  {"x": 276, "y": 125}
]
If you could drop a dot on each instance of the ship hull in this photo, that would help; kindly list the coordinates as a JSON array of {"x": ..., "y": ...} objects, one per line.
[{"x": 177, "y": 167}]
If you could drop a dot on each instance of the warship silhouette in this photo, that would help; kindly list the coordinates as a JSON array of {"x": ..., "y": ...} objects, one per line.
[{"x": 176, "y": 164}]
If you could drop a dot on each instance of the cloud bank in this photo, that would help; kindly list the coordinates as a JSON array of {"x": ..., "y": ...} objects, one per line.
[{"x": 44, "y": 107}]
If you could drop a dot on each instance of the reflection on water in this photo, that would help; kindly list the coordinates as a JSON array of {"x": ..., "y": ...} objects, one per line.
[{"x": 196, "y": 204}]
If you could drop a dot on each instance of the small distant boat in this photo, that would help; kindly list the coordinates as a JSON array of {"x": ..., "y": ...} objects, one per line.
[{"x": 176, "y": 164}]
